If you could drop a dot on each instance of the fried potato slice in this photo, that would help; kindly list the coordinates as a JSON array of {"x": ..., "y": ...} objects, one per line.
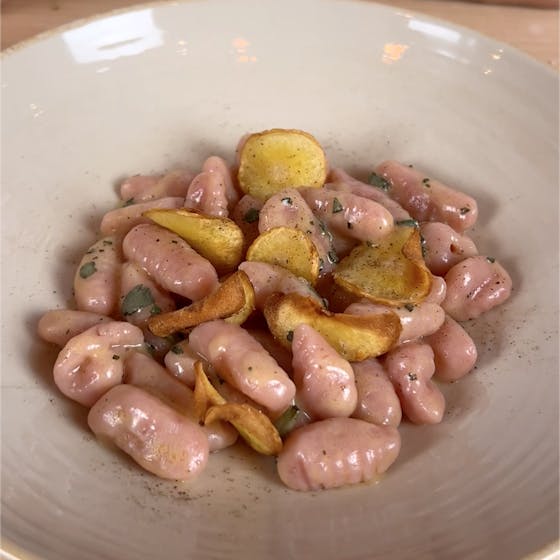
[
  {"x": 288, "y": 247},
  {"x": 275, "y": 159},
  {"x": 220, "y": 240},
  {"x": 354, "y": 337},
  {"x": 204, "y": 392},
  {"x": 253, "y": 426},
  {"x": 249, "y": 305},
  {"x": 233, "y": 301},
  {"x": 391, "y": 272}
]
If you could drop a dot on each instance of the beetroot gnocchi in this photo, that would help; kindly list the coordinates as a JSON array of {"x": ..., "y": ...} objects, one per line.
[{"x": 170, "y": 403}]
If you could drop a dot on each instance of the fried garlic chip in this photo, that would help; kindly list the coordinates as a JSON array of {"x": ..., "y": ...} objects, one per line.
[
  {"x": 287, "y": 247},
  {"x": 276, "y": 159},
  {"x": 233, "y": 301},
  {"x": 220, "y": 240},
  {"x": 253, "y": 426},
  {"x": 354, "y": 337},
  {"x": 204, "y": 392},
  {"x": 239, "y": 317},
  {"x": 390, "y": 272}
]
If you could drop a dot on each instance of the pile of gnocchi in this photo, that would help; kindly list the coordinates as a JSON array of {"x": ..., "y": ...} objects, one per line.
[{"x": 280, "y": 302}]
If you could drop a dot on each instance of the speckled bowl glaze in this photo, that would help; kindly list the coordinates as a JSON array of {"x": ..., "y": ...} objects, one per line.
[{"x": 168, "y": 84}]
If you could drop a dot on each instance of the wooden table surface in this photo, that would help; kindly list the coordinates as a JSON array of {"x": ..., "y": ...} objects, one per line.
[{"x": 533, "y": 30}]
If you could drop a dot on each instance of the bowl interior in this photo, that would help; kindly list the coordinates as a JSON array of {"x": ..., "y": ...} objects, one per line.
[{"x": 169, "y": 84}]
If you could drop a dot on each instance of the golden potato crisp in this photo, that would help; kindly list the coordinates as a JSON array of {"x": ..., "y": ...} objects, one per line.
[
  {"x": 276, "y": 159},
  {"x": 391, "y": 272},
  {"x": 354, "y": 337},
  {"x": 287, "y": 247},
  {"x": 204, "y": 392},
  {"x": 253, "y": 426},
  {"x": 220, "y": 240},
  {"x": 233, "y": 301}
]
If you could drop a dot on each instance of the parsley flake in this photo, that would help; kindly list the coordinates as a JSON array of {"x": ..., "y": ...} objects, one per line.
[
  {"x": 464, "y": 210},
  {"x": 323, "y": 227},
  {"x": 412, "y": 376},
  {"x": 333, "y": 257},
  {"x": 491, "y": 259},
  {"x": 407, "y": 223},
  {"x": 139, "y": 297},
  {"x": 286, "y": 201},
  {"x": 423, "y": 246},
  {"x": 290, "y": 336},
  {"x": 86, "y": 270},
  {"x": 177, "y": 349},
  {"x": 376, "y": 180},
  {"x": 337, "y": 206},
  {"x": 287, "y": 420}
]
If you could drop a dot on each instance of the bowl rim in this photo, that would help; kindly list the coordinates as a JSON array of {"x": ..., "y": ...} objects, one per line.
[
  {"x": 8, "y": 549},
  {"x": 74, "y": 24}
]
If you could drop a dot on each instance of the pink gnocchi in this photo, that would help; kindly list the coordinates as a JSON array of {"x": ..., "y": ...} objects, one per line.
[{"x": 333, "y": 422}]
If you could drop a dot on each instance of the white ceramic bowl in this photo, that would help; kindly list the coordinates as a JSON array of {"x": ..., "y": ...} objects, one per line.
[{"x": 168, "y": 84}]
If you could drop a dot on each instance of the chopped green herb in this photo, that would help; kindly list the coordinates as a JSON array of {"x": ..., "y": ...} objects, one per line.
[
  {"x": 116, "y": 357},
  {"x": 286, "y": 201},
  {"x": 407, "y": 223},
  {"x": 412, "y": 376},
  {"x": 155, "y": 309},
  {"x": 287, "y": 420},
  {"x": 337, "y": 206},
  {"x": 174, "y": 241},
  {"x": 139, "y": 297},
  {"x": 464, "y": 210},
  {"x": 426, "y": 182},
  {"x": 177, "y": 349},
  {"x": 86, "y": 270},
  {"x": 107, "y": 242},
  {"x": 409, "y": 306},
  {"x": 128, "y": 202},
  {"x": 491, "y": 259},
  {"x": 290, "y": 336},
  {"x": 376, "y": 180},
  {"x": 423, "y": 246},
  {"x": 333, "y": 257},
  {"x": 150, "y": 348},
  {"x": 321, "y": 264},
  {"x": 251, "y": 216}
]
